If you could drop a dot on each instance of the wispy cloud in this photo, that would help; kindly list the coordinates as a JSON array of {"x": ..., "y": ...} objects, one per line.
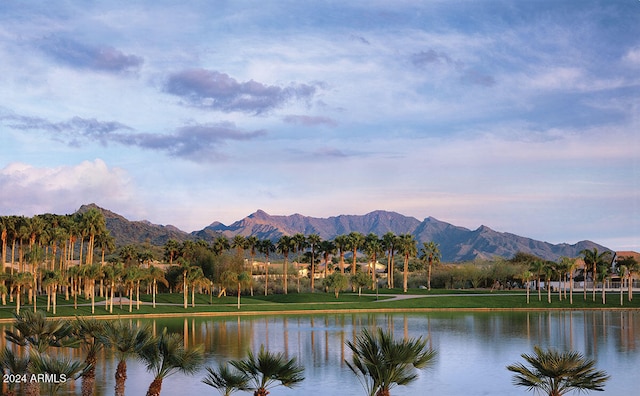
[
  {"x": 310, "y": 120},
  {"x": 431, "y": 57},
  {"x": 102, "y": 58},
  {"x": 198, "y": 142},
  {"x": 215, "y": 90},
  {"x": 193, "y": 142}
]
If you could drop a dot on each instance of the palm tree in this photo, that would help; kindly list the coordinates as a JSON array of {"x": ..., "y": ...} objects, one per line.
[
  {"x": 265, "y": 247},
  {"x": 632, "y": 267},
  {"x": 389, "y": 243},
  {"x": 356, "y": 240},
  {"x": 342, "y": 244},
  {"x": 127, "y": 341},
  {"x": 171, "y": 250},
  {"x": 20, "y": 280},
  {"x": 12, "y": 364},
  {"x": 555, "y": 373},
  {"x": 300, "y": 243},
  {"x": 284, "y": 245},
  {"x": 372, "y": 247},
  {"x": 156, "y": 275},
  {"x": 537, "y": 267},
  {"x": 166, "y": 356},
  {"x": 61, "y": 368},
  {"x": 196, "y": 280},
  {"x": 594, "y": 260},
  {"x": 94, "y": 223},
  {"x": 220, "y": 244},
  {"x": 267, "y": 370},
  {"x": 430, "y": 252},
  {"x": 226, "y": 380},
  {"x": 252, "y": 244},
  {"x": 380, "y": 363},
  {"x": 327, "y": 248},
  {"x": 236, "y": 280},
  {"x": 313, "y": 240},
  {"x": 406, "y": 246},
  {"x": 91, "y": 333},
  {"x": 239, "y": 242},
  {"x": 526, "y": 277}
]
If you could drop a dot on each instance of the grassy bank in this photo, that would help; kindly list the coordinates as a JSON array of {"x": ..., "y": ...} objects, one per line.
[{"x": 387, "y": 300}]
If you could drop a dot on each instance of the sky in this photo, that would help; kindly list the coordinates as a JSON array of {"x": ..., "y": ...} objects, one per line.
[{"x": 523, "y": 116}]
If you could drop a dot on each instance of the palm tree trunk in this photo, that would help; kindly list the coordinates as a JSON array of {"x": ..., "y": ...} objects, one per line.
[
  {"x": 155, "y": 387},
  {"x": 89, "y": 377},
  {"x": 121, "y": 378}
]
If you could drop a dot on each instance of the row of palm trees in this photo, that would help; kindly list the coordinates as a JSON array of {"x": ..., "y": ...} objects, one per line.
[
  {"x": 319, "y": 251},
  {"x": 56, "y": 238},
  {"x": 596, "y": 265}
]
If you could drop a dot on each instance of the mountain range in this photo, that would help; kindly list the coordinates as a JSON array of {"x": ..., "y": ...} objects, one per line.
[{"x": 456, "y": 243}]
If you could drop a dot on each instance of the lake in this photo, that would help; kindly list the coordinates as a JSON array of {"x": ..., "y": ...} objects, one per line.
[{"x": 473, "y": 349}]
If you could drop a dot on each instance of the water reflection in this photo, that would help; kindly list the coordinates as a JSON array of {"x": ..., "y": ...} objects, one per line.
[{"x": 473, "y": 348}]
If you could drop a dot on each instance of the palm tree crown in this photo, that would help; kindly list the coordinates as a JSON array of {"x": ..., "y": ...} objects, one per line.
[
  {"x": 267, "y": 370},
  {"x": 382, "y": 363},
  {"x": 556, "y": 373}
]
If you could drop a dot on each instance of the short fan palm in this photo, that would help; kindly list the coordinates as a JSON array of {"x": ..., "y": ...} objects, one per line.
[
  {"x": 267, "y": 370},
  {"x": 555, "y": 373},
  {"x": 381, "y": 363}
]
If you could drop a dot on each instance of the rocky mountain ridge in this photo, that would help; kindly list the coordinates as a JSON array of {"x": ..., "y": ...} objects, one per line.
[{"x": 457, "y": 244}]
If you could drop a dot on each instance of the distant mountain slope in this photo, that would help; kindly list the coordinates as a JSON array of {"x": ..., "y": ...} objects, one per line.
[
  {"x": 128, "y": 232},
  {"x": 456, "y": 243}
]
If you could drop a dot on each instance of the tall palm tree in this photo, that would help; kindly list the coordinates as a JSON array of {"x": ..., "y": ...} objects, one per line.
[
  {"x": 171, "y": 250},
  {"x": 342, "y": 244},
  {"x": 252, "y": 245},
  {"x": 156, "y": 275},
  {"x": 327, "y": 248},
  {"x": 389, "y": 242},
  {"x": 94, "y": 223},
  {"x": 313, "y": 240},
  {"x": 284, "y": 245},
  {"x": 406, "y": 246},
  {"x": 300, "y": 242},
  {"x": 555, "y": 373},
  {"x": 266, "y": 247},
  {"x": 236, "y": 280},
  {"x": 239, "y": 242},
  {"x": 127, "y": 341},
  {"x": 594, "y": 260},
  {"x": 220, "y": 244},
  {"x": 537, "y": 267},
  {"x": 356, "y": 240},
  {"x": 526, "y": 277},
  {"x": 18, "y": 281},
  {"x": 166, "y": 356},
  {"x": 372, "y": 247},
  {"x": 380, "y": 362},
  {"x": 430, "y": 252},
  {"x": 267, "y": 370}
]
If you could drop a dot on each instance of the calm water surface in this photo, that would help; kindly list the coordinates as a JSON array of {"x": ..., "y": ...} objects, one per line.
[{"x": 473, "y": 349}]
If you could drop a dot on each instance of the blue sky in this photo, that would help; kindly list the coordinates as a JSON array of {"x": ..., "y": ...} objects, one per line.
[{"x": 522, "y": 116}]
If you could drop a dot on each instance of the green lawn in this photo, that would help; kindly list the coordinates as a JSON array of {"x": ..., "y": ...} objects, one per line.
[{"x": 294, "y": 302}]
